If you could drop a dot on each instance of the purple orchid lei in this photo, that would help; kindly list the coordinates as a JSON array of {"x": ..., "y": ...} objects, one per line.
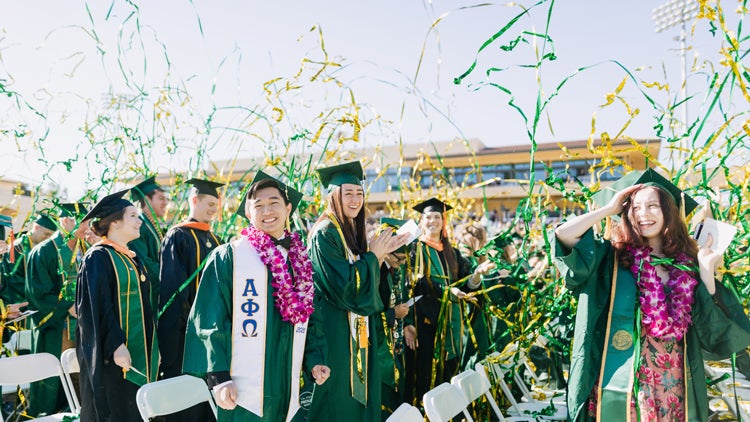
[
  {"x": 293, "y": 300},
  {"x": 664, "y": 317}
]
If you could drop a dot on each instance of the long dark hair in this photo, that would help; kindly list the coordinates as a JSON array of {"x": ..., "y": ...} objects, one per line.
[
  {"x": 675, "y": 237},
  {"x": 355, "y": 231}
]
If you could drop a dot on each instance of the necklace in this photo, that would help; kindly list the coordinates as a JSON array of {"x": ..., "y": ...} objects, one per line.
[
  {"x": 293, "y": 300},
  {"x": 666, "y": 312}
]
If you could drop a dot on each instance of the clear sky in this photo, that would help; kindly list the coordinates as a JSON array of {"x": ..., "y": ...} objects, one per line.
[{"x": 63, "y": 57}]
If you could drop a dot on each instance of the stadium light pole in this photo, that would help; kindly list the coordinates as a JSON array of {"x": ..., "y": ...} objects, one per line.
[{"x": 672, "y": 13}]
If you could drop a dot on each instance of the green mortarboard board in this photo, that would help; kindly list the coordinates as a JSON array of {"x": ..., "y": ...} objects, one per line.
[
  {"x": 432, "y": 205},
  {"x": 142, "y": 189},
  {"x": 46, "y": 221},
  {"x": 351, "y": 173},
  {"x": 72, "y": 209},
  {"x": 5, "y": 221},
  {"x": 108, "y": 205},
  {"x": 205, "y": 187},
  {"x": 647, "y": 177},
  {"x": 393, "y": 222},
  {"x": 294, "y": 196}
]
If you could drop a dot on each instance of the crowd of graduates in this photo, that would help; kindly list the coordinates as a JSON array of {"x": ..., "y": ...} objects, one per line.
[
  {"x": 350, "y": 317},
  {"x": 393, "y": 316}
]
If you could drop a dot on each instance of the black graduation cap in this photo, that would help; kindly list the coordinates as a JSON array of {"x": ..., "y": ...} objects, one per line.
[
  {"x": 337, "y": 175},
  {"x": 46, "y": 221},
  {"x": 72, "y": 209},
  {"x": 646, "y": 177},
  {"x": 294, "y": 196},
  {"x": 108, "y": 205},
  {"x": 142, "y": 189},
  {"x": 432, "y": 205},
  {"x": 206, "y": 187}
]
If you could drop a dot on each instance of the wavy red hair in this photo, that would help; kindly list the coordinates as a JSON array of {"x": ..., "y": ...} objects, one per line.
[{"x": 675, "y": 237}]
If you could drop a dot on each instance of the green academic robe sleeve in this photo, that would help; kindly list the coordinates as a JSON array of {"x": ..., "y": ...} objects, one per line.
[
  {"x": 352, "y": 287},
  {"x": 44, "y": 282}
]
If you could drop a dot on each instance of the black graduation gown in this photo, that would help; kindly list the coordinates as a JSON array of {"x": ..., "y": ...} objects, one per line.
[
  {"x": 105, "y": 394},
  {"x": 182, "y": 252}
]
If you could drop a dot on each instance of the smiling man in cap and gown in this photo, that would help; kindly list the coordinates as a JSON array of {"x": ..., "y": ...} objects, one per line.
[
  {"x": 153, "y": 202},
  {"x": 184, "y": 251},
  {"x": 249, "y": 331}
]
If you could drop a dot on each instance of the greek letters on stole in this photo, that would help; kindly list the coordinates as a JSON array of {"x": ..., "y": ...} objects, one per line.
[{"x": 250, "y": 308}]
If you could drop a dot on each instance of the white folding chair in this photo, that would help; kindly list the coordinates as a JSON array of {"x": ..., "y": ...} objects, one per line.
[
  {"x": 405, "y": 413},
  {"x": 444, "y": 402},
  {"x": 69, "y": 362},
  {"x": 172, "y": 395},
  {"x": 474, "y": 386},
  {"x": 17, "y": 370},
  {"x": 520, "y": 409},
  {"x": 19, "y": 341}
]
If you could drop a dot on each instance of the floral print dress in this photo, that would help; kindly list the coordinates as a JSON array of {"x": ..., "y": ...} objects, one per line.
[{"x": 661, "y": 381}]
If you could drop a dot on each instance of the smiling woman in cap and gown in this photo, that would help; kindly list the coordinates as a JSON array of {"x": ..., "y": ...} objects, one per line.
[
  {"x": 115, "y": 341},
  {"x": 649, "y": 306},
  {"x": 436, "y": 320},
  {"x": 250, "y": 331},
  {"x": 52, "y": 268},
  {"x": 347, "y": 282}
]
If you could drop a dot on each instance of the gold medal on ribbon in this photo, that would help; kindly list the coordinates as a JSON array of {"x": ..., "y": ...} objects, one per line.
[{"x": 622, "y": 340}]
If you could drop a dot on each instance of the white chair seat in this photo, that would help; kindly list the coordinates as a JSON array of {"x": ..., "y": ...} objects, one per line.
[
  {"x": 20, "y": 370},
  {"x": 444, "y": 402},
  {"x": 172, "y": 395},
  {"x": 405, "y": 413}
]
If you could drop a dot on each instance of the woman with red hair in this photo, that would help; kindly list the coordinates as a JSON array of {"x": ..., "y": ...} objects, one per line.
[{"x": 648, "y": 305}]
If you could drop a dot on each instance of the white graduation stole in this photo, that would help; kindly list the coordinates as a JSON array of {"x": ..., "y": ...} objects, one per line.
[{"x": 250, "y": 307}]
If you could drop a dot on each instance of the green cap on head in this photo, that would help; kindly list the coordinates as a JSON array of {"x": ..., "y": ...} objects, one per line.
[
  {"x": 72, "y": 209},
  {"x": 142, "y": 189},
  {"x": 294, "y": 196},
  {"x": 392, "y": 222},
  {"x": 646, "y": 177},
  {"x": 108, "y": 205},
  {"x": 46, "y": 221},
  {"x": 432, "y": 205},
  {"x": 205, "y": 187},
  {"x": 5, "y": 221},
  {"x": 338, "y": 175}
]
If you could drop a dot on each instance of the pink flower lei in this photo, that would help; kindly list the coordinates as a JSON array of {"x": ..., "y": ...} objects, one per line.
[
  {"x": 293, "y": 300},
  {"x": 664, "y": 317}
]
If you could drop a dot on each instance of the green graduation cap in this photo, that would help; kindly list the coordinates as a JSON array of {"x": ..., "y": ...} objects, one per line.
[
  {"x": 205, "y": 187},
  {"x": 5, "y": 221},
  {"x": 646, "y": 177},
  {"x": 142, "y": 189},
  {"x": 46, "y": 221},
  {"x": 72, "y": 209},
  {"x": 432, "y": 205},
  {"x": 351, "y": 173},
  {"x": 108, "y": 205},
  {"x": 294, "y": 196},
  {"x": 392, "y": 222}
]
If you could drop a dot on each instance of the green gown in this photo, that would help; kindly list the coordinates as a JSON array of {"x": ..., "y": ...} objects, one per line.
[
  {"x": 50, "y": 289},
  {"x": 208, "y": 341},
  {"x": 588, "y": 271},
  {"x": 14, "y": 273},
  {"x": 147, "y": 248},
  {"x": 337, "y": 293}
]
